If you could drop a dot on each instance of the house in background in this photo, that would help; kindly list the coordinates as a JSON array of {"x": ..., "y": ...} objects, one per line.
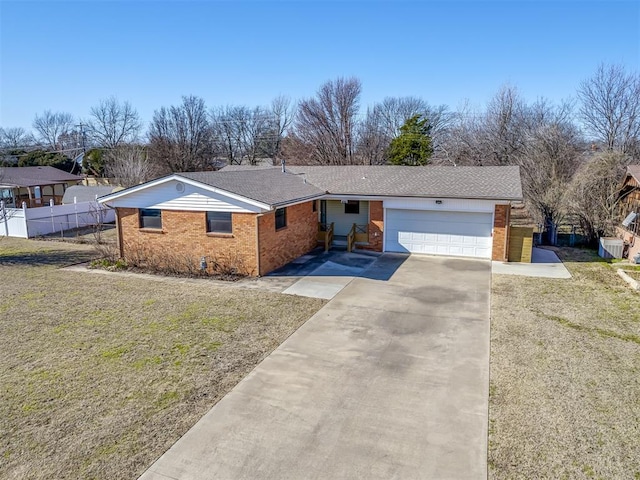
[
  {"x": 266, "y": 217},
  {"x": 35, "y": 186},
  {"x": 629, "y": 229}
]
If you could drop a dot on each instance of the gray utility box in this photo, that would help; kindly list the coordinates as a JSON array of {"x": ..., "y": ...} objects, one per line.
[{"x": 610, "y": 247}]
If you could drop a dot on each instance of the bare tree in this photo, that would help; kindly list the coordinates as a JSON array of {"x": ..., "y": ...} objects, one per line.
[
  {"x": 114, "y": 123},
  {"x": 610, "y": 108},
  {"x": 71, "y": 143},
  {"x": 461, "y": 143},
  {"x": 594, "y": 194},
  {"x": 243, "y": 134},
  {"x": 15, "y": 137},
  {"x": 226, "y": 133},
  {"x": 373, "y": 139},
  {"x": 550, "y": 156},
  {"x": 502, "y": 137},
  {"x": 282, "y": 114},
  {"x": 50, "y": 126},
  {"x": 180, "y": 136},
  {"x": 327, "y": 123},
  {"x": 495, "y": 136},
  {"x": 129, "y": 165}
]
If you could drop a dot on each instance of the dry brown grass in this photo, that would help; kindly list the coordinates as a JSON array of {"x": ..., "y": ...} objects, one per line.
[
  {"x": 565, "y": 374},
  {"x": 100, "y": 374}
]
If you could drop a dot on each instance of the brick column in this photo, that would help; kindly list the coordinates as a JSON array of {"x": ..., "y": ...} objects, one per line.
[{"x": 500, "y": 233}]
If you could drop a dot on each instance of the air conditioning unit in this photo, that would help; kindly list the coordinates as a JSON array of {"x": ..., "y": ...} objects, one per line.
[{"x": 610, "y": 247}]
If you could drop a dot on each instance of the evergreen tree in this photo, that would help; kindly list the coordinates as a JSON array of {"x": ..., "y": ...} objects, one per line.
[{"x": 413, "y": 145}]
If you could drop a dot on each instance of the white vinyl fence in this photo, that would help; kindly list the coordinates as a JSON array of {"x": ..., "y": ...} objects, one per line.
[{"x": 33, "y": 222}]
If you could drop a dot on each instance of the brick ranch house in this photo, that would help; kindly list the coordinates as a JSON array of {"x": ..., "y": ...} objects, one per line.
[{"x": 266, "y": 217}]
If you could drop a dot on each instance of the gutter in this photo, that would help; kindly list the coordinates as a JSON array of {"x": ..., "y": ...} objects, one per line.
[{"x": 317, "y": 196}]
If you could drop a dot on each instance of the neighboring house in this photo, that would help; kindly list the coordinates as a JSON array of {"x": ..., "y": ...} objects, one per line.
[
  {"x": 629, "y": 205},
  {"x": 268, "y": 217},
  {"x": 77, "y": 209},
  {"x": 34, "y": 186}
]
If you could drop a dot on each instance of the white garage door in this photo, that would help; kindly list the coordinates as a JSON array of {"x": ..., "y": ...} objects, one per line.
[{"x": 465, "y": 234}]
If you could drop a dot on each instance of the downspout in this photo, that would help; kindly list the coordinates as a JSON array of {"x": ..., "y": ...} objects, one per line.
[
  {"x": 119, "y": 230},
  {"x": 258, "y": 243},
  {"x": 507, "y": 233}
]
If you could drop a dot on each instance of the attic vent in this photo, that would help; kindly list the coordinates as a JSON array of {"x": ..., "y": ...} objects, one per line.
[
  {"x": 630, "y": 218},
  {"x": 180, "y": 187}
]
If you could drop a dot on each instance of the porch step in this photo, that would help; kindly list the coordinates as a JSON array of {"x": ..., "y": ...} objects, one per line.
[{"x": 343, "y": 243}]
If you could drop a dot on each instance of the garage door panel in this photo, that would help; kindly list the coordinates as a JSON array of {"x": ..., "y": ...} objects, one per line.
[{"x": 439, "y": 233}]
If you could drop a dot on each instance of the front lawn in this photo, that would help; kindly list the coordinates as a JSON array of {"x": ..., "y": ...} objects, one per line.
[
  {"x": 565, "y": 374},
  {"x": 100, "y": 374}
]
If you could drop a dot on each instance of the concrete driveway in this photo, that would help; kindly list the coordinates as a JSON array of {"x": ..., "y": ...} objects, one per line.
[{"x": 389, "y": 380}]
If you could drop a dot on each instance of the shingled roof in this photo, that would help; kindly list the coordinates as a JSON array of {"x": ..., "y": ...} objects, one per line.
[
  {"x": 269, "y": 186},
  {"x": 273, "y": 187},
  {"x": 34, "y": 176},
  {"x": 400, "y": 181}
]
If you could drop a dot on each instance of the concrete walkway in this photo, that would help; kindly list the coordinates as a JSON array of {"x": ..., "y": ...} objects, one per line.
[
  {"x": 389, "y": 380},
  {"x": 328, "y": 273},
  {"x": 544, "y": 263}
]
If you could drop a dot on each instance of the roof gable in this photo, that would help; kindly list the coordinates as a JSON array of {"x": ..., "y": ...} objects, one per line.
[
  {"x": 176, "y": 193},
  {"x": 270, "y": 185},
  {"x": 633, "y": 171}
]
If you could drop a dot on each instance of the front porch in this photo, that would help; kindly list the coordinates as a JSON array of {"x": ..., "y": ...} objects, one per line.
[
  {"x": 32, "y": 196},
  {"x": 348, "y": 224}
]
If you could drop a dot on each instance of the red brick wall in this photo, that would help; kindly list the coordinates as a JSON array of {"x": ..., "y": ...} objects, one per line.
[
  {"x": 376, "y": 227},
  {"x": 501, "y": 233},
  {"x": 278, "y": 248},
  {"x": 183, "y": 236}
]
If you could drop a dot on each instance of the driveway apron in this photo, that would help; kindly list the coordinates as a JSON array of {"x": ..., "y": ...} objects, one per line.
[{"x": 390, "y": 379}]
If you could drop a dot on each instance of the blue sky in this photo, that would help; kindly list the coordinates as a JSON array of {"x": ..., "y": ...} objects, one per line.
[{"x": 66, "y": 56}]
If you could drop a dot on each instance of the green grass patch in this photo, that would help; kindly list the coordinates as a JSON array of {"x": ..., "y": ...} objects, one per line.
[
  {"x": 166, "y": 399},
  {"x": 115, "y": 352},
  {"x": 181, "y": 348}
]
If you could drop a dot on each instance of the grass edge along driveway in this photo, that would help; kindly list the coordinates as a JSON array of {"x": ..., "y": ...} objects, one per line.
[
  {"x": 565, "y": 374},
  {"x": 100, "y": 374}
]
